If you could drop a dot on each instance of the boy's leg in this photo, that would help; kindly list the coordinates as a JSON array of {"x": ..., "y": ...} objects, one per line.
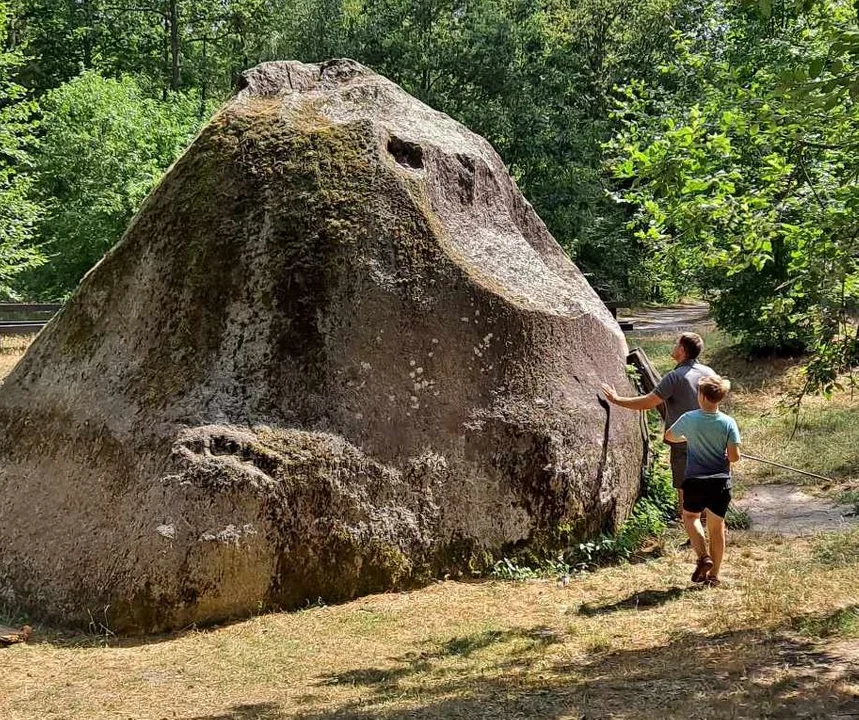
[
  {"x": 716, "y": 528},
  {"x": 692, "y": 523}
]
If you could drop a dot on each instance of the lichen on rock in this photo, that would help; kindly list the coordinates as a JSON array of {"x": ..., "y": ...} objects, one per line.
[{"x": 336, "y": 352}]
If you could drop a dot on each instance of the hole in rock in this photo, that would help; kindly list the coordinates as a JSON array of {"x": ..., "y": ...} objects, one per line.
[{"x": 406, "y": 153}]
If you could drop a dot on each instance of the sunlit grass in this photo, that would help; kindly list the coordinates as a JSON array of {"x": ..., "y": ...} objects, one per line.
[
  {"x": 606, "y": 645},
  {"x": 12, "y": 349}
]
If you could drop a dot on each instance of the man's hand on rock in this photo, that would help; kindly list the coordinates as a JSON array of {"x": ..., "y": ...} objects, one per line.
[{"x": 609, "y": 392}]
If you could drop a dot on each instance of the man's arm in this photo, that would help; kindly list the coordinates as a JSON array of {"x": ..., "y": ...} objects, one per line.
[
  {"x": 673, "y": 437},
  {"x": 642, "y": 402},
  {"x": 677, "y": 432}
]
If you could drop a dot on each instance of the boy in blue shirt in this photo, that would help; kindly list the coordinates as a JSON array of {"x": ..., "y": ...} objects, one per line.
[{"x": 713, "y": 441}]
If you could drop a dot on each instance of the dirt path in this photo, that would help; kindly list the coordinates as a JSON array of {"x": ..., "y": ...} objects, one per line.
[
  {"x": 787, "y": 510},
  {"x": 667, "y": 318}
]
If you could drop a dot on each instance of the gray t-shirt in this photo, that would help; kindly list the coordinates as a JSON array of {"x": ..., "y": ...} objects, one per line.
[{"x": 679, "y": 389}]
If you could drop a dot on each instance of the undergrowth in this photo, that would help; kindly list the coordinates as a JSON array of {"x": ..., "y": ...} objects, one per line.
[{"x": 647, "y": 522}]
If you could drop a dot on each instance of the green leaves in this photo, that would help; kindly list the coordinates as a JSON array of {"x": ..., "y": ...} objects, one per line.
[
  {"x": 18, "y": 212},
  {"x": 104, "y": 146},
  {"x": 746, "y": 176}
]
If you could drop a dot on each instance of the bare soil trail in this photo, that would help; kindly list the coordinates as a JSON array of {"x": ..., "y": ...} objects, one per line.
[
  {"x": 656, "y": 320},
  {"x": 787, "y": 510}
]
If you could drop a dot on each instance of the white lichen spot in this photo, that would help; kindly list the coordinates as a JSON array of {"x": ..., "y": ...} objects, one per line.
[
  {"x": 412, "y": 363},
  {"x": 359, "y": 416},
  {"x": 167, "y": 531},
  {"x": 413, "y": 398},
  {"x": 365, "y": 366},
  {"x": 464, "y": 319},
  {"x": 392, "y": 398},
  {"x": 420, "y": 371},
  {"x": 477, "y": 312},
  {"x": 231, "y": 534},
  {"x": 430, "y": 354},
  {"x": 435, "y": 341},
  {"x": 412, "y": 374}
]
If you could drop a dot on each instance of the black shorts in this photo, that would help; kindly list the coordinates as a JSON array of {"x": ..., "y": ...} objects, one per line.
[{"x": 711, "y": 494}]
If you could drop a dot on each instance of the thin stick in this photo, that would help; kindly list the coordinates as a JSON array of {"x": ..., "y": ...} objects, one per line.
[{"x": 785, "y": 467}]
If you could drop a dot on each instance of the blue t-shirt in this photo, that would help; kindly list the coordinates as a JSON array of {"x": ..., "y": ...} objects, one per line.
[{"x": 708, "y": 435}]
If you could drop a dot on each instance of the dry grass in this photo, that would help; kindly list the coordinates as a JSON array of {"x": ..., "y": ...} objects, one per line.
[
  {"x": 12, "y": 348},
  {"x": 626, "y": 642}
]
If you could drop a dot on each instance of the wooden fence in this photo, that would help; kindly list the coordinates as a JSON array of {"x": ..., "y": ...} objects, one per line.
[{"x": 25, "y": 318}]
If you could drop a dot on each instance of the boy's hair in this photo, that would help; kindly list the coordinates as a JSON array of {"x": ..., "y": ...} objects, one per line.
[
  {"x": 692, "y": 343},
  {"x": 714, "y": 388}
]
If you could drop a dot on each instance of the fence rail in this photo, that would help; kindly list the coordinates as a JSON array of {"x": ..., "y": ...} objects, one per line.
[
  {"x": 25, "y": 318},
  {"x": 6, "y": 308}
]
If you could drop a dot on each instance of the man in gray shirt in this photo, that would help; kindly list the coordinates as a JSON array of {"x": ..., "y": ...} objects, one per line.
[{"x": 678, "y": 389}]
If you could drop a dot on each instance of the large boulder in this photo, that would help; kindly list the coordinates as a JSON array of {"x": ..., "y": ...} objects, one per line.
[{"x": 336, "y": 352}]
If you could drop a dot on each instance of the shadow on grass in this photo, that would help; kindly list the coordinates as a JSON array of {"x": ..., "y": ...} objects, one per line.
[
  {"x": 255, "y": 711},
  {"x": 640, "y": 600},
  {"x": 460, "y": 646},
  {"x": 740, "y": 674}
]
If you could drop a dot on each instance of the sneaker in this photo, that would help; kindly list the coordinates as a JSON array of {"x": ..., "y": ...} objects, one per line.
[{"x": 702, "y": 569}]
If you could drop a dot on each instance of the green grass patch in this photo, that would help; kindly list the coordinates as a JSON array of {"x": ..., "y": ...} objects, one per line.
[
  {"x": 823, "y": 441},
  {"x": 851, "y": 498},
  {"x": 842, "y": 623},
  {"x": 836, "y": 549},
  {"x": 737, "y": 519}
]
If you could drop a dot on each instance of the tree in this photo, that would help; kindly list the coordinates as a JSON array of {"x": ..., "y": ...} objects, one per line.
[
  {"x": 167, "y": 45},
  {"x": 104, "y": 146},
  {"x": 743, "y": 172},
  {"x": 18, "y": 212}
]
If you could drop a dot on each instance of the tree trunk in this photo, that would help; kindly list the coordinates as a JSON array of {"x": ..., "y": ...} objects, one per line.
[
  {"x": 87, "y": 36},
  {"x": 204, "y": 81},
  {"x": 173, "y": 22}
]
